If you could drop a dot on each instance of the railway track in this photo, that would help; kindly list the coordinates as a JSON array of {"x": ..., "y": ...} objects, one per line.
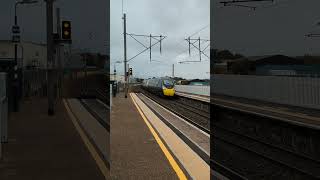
[
  {"x": 193, "y": 115},
  {"x": 102, "y": 95},
  {"x": 98, "y": 110},
  {"x": 260, "y": 147},
  {"x": 195, "y": 138}
]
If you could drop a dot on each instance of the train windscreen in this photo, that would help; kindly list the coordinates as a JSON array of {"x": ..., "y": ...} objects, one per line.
[{"x": 168, "y": 83}]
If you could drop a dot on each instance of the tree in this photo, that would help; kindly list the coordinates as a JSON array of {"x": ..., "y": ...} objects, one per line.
[{"x": 225, "y": 54}]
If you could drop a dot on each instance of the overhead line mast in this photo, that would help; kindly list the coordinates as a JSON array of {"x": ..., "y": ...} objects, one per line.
[
  {"x": 235, "y": 3},
  {"x": 158, "y": 39}
]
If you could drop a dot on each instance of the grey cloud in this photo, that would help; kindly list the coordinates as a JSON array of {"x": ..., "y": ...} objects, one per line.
[
  {"x": 86, "y": 17},
  {"x": 271, "y": 29},
  {"x": 174, "y": 19}
]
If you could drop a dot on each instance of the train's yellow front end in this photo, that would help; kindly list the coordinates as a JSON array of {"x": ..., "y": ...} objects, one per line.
[{"x": 168, "y": 91}]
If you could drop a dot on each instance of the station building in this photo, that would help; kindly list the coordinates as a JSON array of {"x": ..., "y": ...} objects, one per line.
[{"x": 32, "y": 55}]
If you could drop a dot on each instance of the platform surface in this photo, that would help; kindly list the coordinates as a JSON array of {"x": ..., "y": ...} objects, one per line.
[
  {"x": 135, "y": 153},
  {"x": 42, "y": 147},
  {"x": 294, "y": 114},
  {"x": 187, "y": 159},
  {"x": 96, "y": 133}
]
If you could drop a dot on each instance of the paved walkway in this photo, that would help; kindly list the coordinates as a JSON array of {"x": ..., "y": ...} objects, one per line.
[
  {"x": 42, "y": 147},
  {"x": 135, "y": 153}
]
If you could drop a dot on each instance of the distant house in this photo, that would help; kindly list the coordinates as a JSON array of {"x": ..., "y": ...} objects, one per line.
[
  {"x": 79, "y": 59},
  {"x": 182, "y": 82},
  {"x": 220, "y": 68},
  {"x": 117, "y": 77},
  {"x": 199, "y": 82},
  {"x": 194, "y": 82},
  {"x": 280, "y": 65}
]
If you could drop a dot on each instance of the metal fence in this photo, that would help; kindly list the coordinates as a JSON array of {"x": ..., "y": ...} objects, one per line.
[
  {"x": 296, "y": 91},
  {"x": 199, "y": 90},
  {"x": 34, "y": 83}
]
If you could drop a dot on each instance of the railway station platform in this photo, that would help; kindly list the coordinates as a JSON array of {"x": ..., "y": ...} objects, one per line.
[
  {"x": 296, "y": 114},
  {"x": 135, "y": 153},
  {"x": 42, "y": 147},
  {"x": 144, "y": 147},
  {"x": 194, "y": 96}
]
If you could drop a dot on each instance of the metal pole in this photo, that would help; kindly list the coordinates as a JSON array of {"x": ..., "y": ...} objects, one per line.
[
  {"x": 49, "y": 8},
  {"x": 22, "y": 75},
  {"x": 15, "y": 78},
  {"x": 85, "y": 75},
  {"x": 189, "y": 45},
  {"x": 59, "y": 53},
  {"x": 150, "y": 47},
  {"x": 114, "y": 72},
  {"x": 199, "y": 49},
  {"x": 160, "y": 43},
  {"x": 128, "y": 82},
  {"x": 125, "y": 54},
  {"x": 172, "y": 70}
]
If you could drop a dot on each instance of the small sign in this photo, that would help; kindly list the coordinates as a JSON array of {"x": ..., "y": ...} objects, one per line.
[
  {"x": 15, "y": 29},
  {"x": 16, "y": 38}
]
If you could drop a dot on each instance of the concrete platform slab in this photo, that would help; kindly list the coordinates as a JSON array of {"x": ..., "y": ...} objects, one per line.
[
  {"x": 135, "y": 153},
  {"x": 42, "y": 147},
  {"x": 196, "y": 167}
]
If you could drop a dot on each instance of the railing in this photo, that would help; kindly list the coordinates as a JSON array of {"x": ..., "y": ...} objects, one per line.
[
  {"x": 295, "y": 91},
  {"x": 34, "y": 82}
]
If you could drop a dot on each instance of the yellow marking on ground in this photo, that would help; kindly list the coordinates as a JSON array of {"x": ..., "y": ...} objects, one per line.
[
  {"x": 103, "y": 168},
  {"x": 164, "y": 149}
]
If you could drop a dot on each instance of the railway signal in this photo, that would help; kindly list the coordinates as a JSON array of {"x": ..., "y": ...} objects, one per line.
[{"x": 66, "y": 30}]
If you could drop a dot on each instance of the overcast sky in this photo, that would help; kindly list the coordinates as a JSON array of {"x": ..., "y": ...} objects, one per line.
[
  {"x": 89, "y": 22},
  {"x": 277, "y": 28},
  {"x": 175, "y": 19}
]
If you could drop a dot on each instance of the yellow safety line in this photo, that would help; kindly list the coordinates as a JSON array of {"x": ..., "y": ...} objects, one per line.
[
  {"x": 166, "y": 152},
  {"x": 103, "y": 168}
]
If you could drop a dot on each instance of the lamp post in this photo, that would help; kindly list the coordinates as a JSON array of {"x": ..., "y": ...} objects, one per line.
[
  {"x": 16, "y": 20},
  {"x": 114, "y": 83},
  {"x": 114, "y": 68},
  {"x": 15, "y": 76}
]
